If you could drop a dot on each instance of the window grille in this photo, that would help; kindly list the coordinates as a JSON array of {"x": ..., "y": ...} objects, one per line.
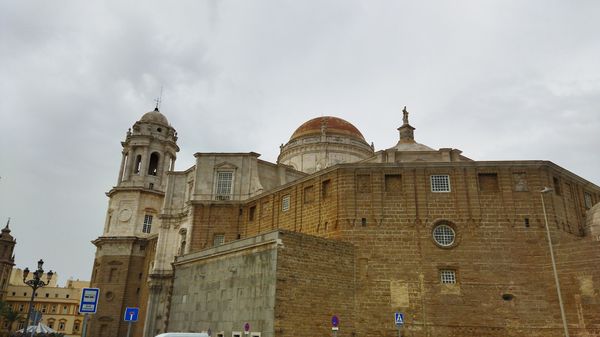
[
  {"x": 224, "y": 184},
  {"x": 444, "y": 235},
  {"x": 219, "y": 239},
  {"x": 285, "y": 203},
  {"x": 448, "y": 276},
  {"x": 440, "y": 183},
  {"x": 147, "y": 223}
]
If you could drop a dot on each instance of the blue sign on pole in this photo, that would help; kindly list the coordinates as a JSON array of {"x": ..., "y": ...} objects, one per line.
[
  {"x": 335, "y": 321},
  {"x": 131, "y": 314},
  {"x": 399, "y": 318},
  {"x": 89, "y": 300}
]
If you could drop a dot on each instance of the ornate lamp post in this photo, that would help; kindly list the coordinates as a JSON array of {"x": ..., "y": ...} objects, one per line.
[{"x": 35, "y": 283}]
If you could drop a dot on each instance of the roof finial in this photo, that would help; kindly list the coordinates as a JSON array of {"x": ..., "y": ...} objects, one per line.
[
  {"x": 159, "y": 99},
  {"x": 405, "y": 116},
  {"x": 8, "y": 222}
]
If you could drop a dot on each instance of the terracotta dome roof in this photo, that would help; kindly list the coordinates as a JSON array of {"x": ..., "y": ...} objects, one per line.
[
  {"x": 333, "y": 125},
  {"x": 154, "y": 117}
]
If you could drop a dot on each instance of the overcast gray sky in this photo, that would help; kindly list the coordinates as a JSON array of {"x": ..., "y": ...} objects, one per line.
[{"x": 500, "y": 80}]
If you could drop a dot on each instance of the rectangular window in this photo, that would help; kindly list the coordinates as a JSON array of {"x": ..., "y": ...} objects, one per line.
[
  {"x": 309, "y": 195},
  {"x": 44, "y": 308},
  {"x": 363, "y": 183},
  {"x": 113, "y": 276},
  {"x": 393, "y": 183},
  {"x": 236, "y": 334},
  {"x": 520, "y": 181},
  {"x": 219, "y": 239},
  {"x": 448, "y": 276},
  {"x": 251, "y": 213},
  {"x": 556, "y": 183},
  {"x": 61, "y": 326},
  {"x": 325, "y": 186},
  {"x": 587, "y": 199},
  {"x": 147, "y": 223},
  {"x": 440, "y": 183},
  {"x": 64, "y": 309},
  {"x": 21, "y": 307},
  {"x": 224, "y": 184},
  {"x": 488, "y": 182},
  {"x": 21, "y": 325},
  {"x": 285, "y": 203}
]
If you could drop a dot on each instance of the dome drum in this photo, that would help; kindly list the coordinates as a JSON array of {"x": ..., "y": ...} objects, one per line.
[{"x": 322, "y": 142}]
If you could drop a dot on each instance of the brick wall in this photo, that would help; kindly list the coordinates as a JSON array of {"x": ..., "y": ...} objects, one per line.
[
  {"x": 504, "y": 283},
  {"x": 122, "y": 282},
  {"x": 315, "y": 280}
]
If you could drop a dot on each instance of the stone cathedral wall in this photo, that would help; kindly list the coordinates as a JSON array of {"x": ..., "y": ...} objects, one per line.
[{"x": 504, "y": 284}]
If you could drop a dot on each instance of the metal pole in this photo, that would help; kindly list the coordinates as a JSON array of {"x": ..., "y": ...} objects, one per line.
[
  {"x": 560, "y": 302},
  {"x": 30, "y": 310},
  {"x": 84, "y": 328},
  {"x": 129, "y": 329}
]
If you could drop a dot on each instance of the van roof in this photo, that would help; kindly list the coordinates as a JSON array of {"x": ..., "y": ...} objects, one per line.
[{"x": 183, "y": 334}]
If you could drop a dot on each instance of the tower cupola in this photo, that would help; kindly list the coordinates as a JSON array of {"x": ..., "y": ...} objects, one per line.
[{"x": 149, "y": 151}]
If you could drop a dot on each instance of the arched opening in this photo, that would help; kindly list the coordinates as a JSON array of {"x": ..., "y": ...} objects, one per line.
[
  {"x": 138, "y": 164},
  {"x": 153, "y": 166},
  {"x": 123, "y": 173}
]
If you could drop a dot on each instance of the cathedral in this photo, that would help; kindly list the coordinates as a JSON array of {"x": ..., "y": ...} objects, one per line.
[{"x": 337, "y": 237}]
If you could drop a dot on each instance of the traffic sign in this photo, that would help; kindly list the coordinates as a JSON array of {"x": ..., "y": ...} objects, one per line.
[
  {"x": 335, "y": 321},
  {"x": 89, "y": 300},
  {"x": 399, "y": 318},
  {"x": 131, "y": 314}
]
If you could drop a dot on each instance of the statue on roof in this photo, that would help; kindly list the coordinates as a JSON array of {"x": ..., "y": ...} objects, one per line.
[{"x": 405, "y": 115}]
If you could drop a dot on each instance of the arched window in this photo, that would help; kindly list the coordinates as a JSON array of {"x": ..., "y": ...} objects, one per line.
[
  {"x": 138, "y": 164},
  {"x": 153, "y": 166}
]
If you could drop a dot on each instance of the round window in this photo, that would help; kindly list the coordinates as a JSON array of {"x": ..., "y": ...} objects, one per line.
[{"x": 444, "y": 235}]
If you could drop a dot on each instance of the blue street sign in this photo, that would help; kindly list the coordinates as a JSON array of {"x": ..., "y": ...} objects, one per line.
[
  {"x": 335, "y": 321},
  {"x": 399, "y": 318},
  {"x": 131, "y": 314},
  {"x": 89, "y": 300}
]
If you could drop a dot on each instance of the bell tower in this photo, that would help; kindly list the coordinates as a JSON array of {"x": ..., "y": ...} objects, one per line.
[
  {"x": 149, "y": 151},
  {"x": 7, "y": 258},
  {"x": 124, "y": 250}
]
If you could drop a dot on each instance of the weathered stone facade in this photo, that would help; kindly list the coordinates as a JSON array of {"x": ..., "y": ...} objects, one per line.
[{"x": 457, "y": 245}]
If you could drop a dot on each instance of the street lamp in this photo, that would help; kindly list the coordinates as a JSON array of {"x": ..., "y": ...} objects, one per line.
[
  {"x": 560, "y": 302},
  {"x": 35, "y": 283}
]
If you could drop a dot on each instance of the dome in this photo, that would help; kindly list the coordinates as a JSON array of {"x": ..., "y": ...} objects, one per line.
[
  {"x": 154, "y": 117},
  {"x": 328, "y": 124}
]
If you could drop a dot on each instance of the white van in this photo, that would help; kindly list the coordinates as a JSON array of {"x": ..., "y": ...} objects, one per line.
[{"x": 183, "y": 334}]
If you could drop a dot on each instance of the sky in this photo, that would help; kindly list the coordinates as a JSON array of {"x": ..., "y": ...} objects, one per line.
[{"x": 499, "y": 80}]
